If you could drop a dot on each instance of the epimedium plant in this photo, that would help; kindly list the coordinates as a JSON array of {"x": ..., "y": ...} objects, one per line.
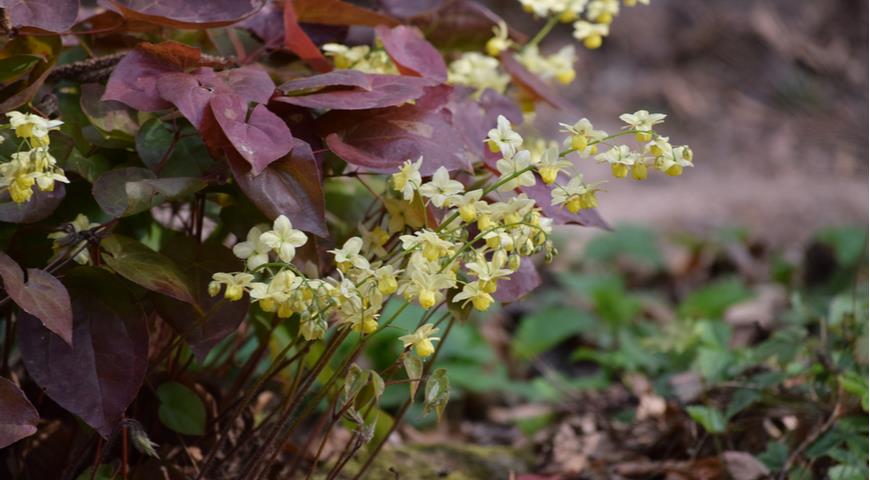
[{"x": 175, "y": 206}]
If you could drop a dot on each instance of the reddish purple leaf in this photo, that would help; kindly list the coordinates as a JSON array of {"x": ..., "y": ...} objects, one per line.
[
  {"x": 50, "y": 15},
  {"x": 338, "y": 12},
  {"x": 219, "y": 317},
  {"x": 381, "y": 140},
  {"x": 134, "y": 82},
  {"x": 192, "y": 92},
  {"x": 187, "y": 94},
  {"x": 41, "y": 205},
  {"x": 251, "y": 83},
  {"x": 189, "y": 14},
  {"x": 540, "y": 193},
  {"x": 384, "y": 91},
  {"x": 519, "y": 284},
  {"x": 260, "y": 139},
  {"x": 42, "y": 296},
  {"x": 531, "y": 83},
  {"x": 412, "y": 54},
  {"x": 291, "y": 186},
  {"x": 18, "y": 417},
  {"x": 99, "y": 376},
  {"x": 335, "y": 78},
  {"x": 267, "y": 25},
  {"x": 298, "y": 42}
]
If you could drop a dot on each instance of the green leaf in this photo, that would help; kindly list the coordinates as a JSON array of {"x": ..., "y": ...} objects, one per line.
[
  {"x": 544, "y": 330},
  {"x": 187, "y": 158},
  {"x": 712, "y": 300},
  {"x": 17, "y": 65},
  {"x": 637, "y": 243},
  {"x": 122, "y": 192},
  {"x": 114, "y": 119},
  {"x": 847, "y": 472},
  {"x": 849, "y": 243},
  {"x": 181, "y": 409},
  {"x": 414, "y": 370},
  {"x": 104, "y": 472},
  {"x": 147, "y": 268},
  {"x": 437, "y": 393},
  {"x": 856, "y": 384},
  {"x": 708, "y": 417},
  {"x": 742, "y": 398},
  {"x": 775, "y": 455}
]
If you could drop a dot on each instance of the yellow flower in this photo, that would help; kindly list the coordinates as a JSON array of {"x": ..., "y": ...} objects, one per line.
[
  {"x": 421, "y": 340},
  {"x": 32, "y": 127}
]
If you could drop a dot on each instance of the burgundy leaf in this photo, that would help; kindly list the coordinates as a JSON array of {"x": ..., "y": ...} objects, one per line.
[
  {"x": 541, "y": 194},
  {"x": 335, "y": 78},
  {"x": 100, "y": 375},
  {"x": 134, "y": 82},
  {"x": 218, "y": 317},
  {"x": 146, "y": 268},
  {"x": 383, "y": 91},
  {"x": 338, "y": 12},
  {"x": 529, "y": 82},
  {"x": 260, "y": 139},
  {"x": 381, "y": 140},
  {"x": 189, "y": 14},
  {"x": 121, "y": 192},
  {"x": 192, "y": 92},
  {"x": 267, "y": 25},
  {"x": 42, "y": 296},
  {"x": 187, "y": 94},
  {"x": 18, "y": 417},
  {"x": 290, "y": 186},
  {"x": 251, "y": 83},
  {"x": 53, "y": 16},
  {"x": 412, "y": 54},
  {"x": 519, "y": 283},
  {"x": 298, "y": 42},
  {"x": 41, "y": 205}
]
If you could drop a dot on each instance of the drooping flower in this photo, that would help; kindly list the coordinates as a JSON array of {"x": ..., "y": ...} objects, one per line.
[{"x": 421, "y": 340}]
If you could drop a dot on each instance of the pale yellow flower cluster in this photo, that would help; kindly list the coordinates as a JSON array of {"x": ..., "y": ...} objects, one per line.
[
  {"x": 360, "y": 57},
  {"x": 591, "y": 18},
  {"x": 34, "y": 165},
  {"x": 655, "y": 151}
]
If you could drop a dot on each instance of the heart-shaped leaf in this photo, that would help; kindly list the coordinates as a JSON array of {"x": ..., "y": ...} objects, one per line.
[
  {"x": 42, "y": 296},
  {"x": 123, "y": 192},
  {"x": 437, "y": 393},
  {"x": 41, "y": 205},
  {"x": 186, "y": 14},
  {"x": 412, "y": 54},
  {"x": 113, "y": 118},
  {"x": 381, "y": 140},
  {"x": 54, "y": 16},
  {"x": 377, "y": 91},
  {"x": 181, "y": 409},
  {"x": 260, "y": 139},
  {"x": 100, "y": 375},
  {"x": 146, "y": 268},
  {"x": 18, "y": 417}
]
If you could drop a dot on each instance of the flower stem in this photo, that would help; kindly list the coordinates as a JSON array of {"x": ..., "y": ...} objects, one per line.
[{"x": 542, "y": 33}]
